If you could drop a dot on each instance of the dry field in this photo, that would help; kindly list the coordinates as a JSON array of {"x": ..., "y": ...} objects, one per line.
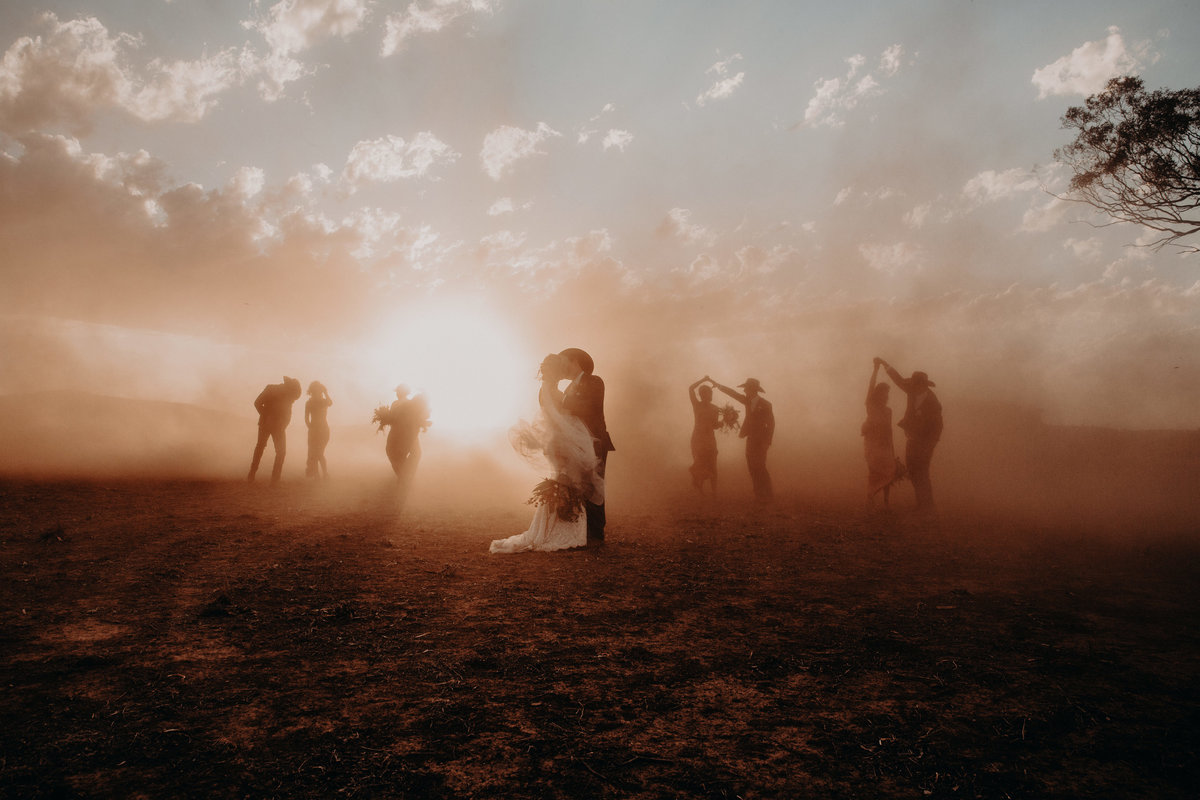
[{"x": 212, "y": 639}]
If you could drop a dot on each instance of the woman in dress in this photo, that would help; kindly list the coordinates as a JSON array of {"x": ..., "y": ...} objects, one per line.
[
  {"x": 877, "y": 439},
  {"x": 315, "y": 411},
  {"x": 704, "y": 437},
  {"x": 561, "y": 443}
]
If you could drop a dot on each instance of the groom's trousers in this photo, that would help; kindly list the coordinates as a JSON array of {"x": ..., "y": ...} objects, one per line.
[{"x": 595, "y": 511}]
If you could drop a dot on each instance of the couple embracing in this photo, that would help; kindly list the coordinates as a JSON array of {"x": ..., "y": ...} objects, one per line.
[{"x": 569, "y": 438}]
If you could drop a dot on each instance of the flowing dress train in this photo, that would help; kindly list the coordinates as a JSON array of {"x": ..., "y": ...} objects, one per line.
[{"x": 561, "y": 445}]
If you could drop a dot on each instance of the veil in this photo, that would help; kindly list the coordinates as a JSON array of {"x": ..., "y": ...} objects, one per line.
[{"x": 559, "y": 445}]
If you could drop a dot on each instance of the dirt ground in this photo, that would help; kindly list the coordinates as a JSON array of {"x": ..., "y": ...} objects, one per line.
[{"x": 213, "y": 639}]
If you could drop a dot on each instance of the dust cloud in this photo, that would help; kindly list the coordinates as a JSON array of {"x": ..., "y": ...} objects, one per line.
[{"x": 1105, "y": 435}]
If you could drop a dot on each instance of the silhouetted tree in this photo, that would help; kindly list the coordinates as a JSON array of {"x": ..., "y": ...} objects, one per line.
[{"x": 1136, "y": 157}]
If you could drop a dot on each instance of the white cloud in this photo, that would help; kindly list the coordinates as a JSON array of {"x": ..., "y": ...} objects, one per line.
[
  {"x": 864, "y": 197},
  {"x": 77, "y": 67},
  {"x": 889, "y": 62},
  {"x": 894, "y": 259},
  {"x": 678, "y": 225},
  {"x": 247, "y": 182},
  {"x": 1090, "y": 66},
  {"x": 836, "y": 96},
  {"x": 1045, "y": 216},
  {"x": 618, "y": 139},
  {"x": 415, "y": 20},
  {"x": 917, "y": 216},
  {"x": 725, "y": 84},
  {"x": 990, "y": 185},
  {"x": 586, "y": 132},
  {"x": 755, "y": 260},
  {"x": 1084, "y": 249},
  {"x": 502, "y": 206},
  {"x": 292, "y": 26},
  {"x": 391, "y": 158},
  {"x": 507, "y": 144}
]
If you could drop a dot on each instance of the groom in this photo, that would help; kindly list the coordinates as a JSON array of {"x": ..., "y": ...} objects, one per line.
[{"x": 584, "y": 399}]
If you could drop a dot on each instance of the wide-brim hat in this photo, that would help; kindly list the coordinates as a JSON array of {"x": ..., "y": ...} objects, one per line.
[
  {"x": 752, "y": 383},
  {"x": 922, "y": 378},
  {"x": 581, "y": 357}
]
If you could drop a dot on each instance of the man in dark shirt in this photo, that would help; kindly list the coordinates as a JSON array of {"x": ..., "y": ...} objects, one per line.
[
  {"x": 922, "y": 425},
  {"x": 274, "y": 405},
  {"x": 758, "y": 429}
]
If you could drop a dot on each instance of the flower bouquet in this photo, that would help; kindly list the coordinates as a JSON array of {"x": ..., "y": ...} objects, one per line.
[
  {"x": 564, "y": 499},
  {"x": 382, "y": 418},
  {"x": 728, "y": 419}
]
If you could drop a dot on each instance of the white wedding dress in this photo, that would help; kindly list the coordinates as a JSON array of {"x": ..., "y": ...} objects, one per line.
[{"x": 562, "y": 447}]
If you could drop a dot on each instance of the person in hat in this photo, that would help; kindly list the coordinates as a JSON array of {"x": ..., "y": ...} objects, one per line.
[
  {"x": 758, "y": 429},
  {"x": 274, "y": 406},
  {"x": 584, "y": 398},
  {"x": 922, "y": 426}
]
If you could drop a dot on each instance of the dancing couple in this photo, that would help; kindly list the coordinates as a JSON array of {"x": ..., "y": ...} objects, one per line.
[
  {"x": 568, "y": 439},
  {"x": 922, "y": 425}
]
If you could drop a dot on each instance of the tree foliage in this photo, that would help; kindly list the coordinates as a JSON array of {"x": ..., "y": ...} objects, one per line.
[{"x": 1136, "y": 157}]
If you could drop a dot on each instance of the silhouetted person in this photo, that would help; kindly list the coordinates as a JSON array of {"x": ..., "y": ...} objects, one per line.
[
  {"x": 584, "y": 398},
  {"x": 758, "y": 429},
  {"x": 407, "y": 417},
  {"x": 878, "y": 444},
  {"x": 315, "y": 411},
  {"x": 274, "y": 405},
  {"x": 922, "y": 424},
  {"x": 707, "y": 418}
]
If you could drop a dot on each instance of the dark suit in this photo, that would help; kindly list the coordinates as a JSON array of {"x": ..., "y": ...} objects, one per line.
[
  {"x": 274, "y": 406},
  {"x": 585, "y": 399},
  {"x": 922, "y": 424},
  {"x": 758, "y": 429}
]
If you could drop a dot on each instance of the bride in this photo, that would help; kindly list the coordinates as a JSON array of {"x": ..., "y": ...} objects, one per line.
[{"x": 561, "y": 443}]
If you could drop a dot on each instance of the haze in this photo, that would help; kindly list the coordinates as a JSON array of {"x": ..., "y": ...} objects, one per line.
[{"x": 198, "y": 198}]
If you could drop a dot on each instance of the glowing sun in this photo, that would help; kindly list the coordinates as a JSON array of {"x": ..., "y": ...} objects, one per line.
[{"x": 477, "y": 376}]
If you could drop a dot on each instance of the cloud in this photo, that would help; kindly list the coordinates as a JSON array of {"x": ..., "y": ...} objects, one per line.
[
  {"x": 1090, "y": 66},
  {"x": 248, "y": 182},
  {"x": 617, "y": 138},
  {"x": 75, "y": 68},
  {"x": 725, "y": 84},
  {"x": 863, "y": 197},
  {"x": 678, "y": 225},
  {"x": 990, "y": 185},
  {"x": 391, "y": 158},
  {"x": 585, "y": 132},
  {"x": 292, "y": 26},
  {"x": 415, "y": 20},
  {"x": 836, "y": 96},
  {"x": 502, "y": 206},
  {"x": 899, "y": 258},
  {"x": 507, "y": 144}
]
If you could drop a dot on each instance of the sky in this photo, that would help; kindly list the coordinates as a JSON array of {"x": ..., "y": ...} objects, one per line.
[{"x": 199, "y": 197}]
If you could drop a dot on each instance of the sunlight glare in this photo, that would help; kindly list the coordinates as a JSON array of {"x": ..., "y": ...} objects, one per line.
[{"x": 478, "y": 378}]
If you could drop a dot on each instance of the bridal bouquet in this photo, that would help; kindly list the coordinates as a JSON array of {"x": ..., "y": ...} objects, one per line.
[
  {"x": 562, "y": 497},
  {"x": 728, "y": 419},
  {"x": 382, "y": 418}
]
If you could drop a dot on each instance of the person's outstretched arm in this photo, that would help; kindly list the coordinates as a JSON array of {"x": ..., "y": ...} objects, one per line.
[
  {"x": 735, "y": 395},
  {"x": 896, "y": 377},
  {"x": 874, "y": 378},
  {"x": 692, "y": 392}
]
